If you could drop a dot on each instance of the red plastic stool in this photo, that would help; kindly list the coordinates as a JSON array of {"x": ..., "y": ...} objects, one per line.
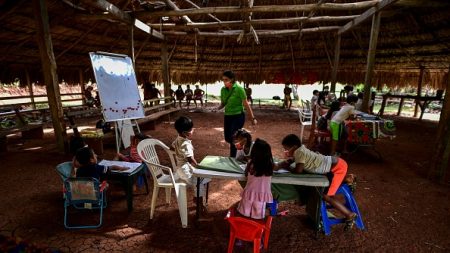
[{"x": 248, "y": 230}]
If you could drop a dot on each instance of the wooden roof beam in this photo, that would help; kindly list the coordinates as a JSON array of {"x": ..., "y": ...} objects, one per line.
[
  {"x": 366, "y": 15},
  {"x": 122, "y": 16},
  {"x": 261, "y": 33},
  {"x": 261, "y": 8},
  {"x": 198, "y": 7},
  {"x": 254, "y": 22}
]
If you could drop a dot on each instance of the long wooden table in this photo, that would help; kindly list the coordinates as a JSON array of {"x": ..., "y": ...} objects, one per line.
[{"x": 216, "y": 167}]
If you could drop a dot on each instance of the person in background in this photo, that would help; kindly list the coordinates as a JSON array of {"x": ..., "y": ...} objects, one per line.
[
  {"x": 248, "y": 92},
  {"x": 172, "y": 98},
  {"x": 358, "y": 104},
  {"x": 198, "y": 95},
  {"x": 189, "y": 94},
  {"x": 179, "y": 93},
  {"x": 233, "y": 99},
  {"x": 154, "y": 94},
  {"x": 287, "y": 97},
  {"x": 88, "y": 98},
  {"x": 314, "y": 98},
  {"x": 147, "y": 91}
]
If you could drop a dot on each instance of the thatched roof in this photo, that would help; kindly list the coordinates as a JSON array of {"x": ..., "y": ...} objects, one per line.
[{"x": 413, "y": 33}]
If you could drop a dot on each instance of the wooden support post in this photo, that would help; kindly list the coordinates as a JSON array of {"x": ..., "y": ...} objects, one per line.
[
  {"x": 371, "y": 60},
  {"x": 82, "y": 86},
  {"x": 337, "y": 51},
  {"x": 131, "y": 43},
  {"x": 30, "y": 88},
  {"x": 442, "y": 152},
  {"x": 383, "y": 105},
  {"x": 400, "y": 106},
  {"x": 165, "y": 69},
  {"x": 49, "y": 70},
  {"x": 419, "y": 90}
]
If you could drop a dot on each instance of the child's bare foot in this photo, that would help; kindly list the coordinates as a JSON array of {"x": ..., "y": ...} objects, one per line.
[{"x": 350, "y": 221}]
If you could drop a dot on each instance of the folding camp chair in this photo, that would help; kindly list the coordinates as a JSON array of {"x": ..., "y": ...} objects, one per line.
[
  {"x": 84, "y": 193},
  {"x": 64, "y": 170}
]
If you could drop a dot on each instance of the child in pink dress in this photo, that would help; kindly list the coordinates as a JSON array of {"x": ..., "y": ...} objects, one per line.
[{"x": 257, "y": 192}]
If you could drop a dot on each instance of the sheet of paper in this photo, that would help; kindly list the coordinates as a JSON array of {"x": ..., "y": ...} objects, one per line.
[
  {"x": 281, "y": 171},
  {"x": 132, "y": 166}
]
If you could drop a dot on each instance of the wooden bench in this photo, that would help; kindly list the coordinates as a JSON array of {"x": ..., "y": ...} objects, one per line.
[
  {"x": 155, "y": 112},
  {"x": 29, "y": 131}
]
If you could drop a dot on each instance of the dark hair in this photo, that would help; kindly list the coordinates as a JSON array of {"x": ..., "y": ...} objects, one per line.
[
  {"x": 141, "y": 136},
  {"x": 243, "y": 133},
  {"x": 373, "y": 95},
  {"x": 321, "y": 98},
  {"x": 84, "y": 155},
  {"x": 335, "y": 106},
  {"x": 229, "y": 74},
  {"x": 352, "y": 99},
  {"x": 183, "y": 124},
  {"x": 315, "y": 91},
  {"x": 360, "y": 95},
  {"x": 291, "y": 140},
  {"x": 348, "y": 88},
  {"x": 261, "y": 159}
]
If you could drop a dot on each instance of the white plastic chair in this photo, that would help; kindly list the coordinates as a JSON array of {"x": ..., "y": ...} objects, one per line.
[
  {"x": 163, "y": 177},
  {"x": 305, "y": 120}
]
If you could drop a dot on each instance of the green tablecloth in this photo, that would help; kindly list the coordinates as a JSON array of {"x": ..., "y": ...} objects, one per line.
[{"x": 283, "y": 192}]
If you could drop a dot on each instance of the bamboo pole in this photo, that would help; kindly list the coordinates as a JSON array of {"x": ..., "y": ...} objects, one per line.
[
  {"x": 371, "y": 61},
  {"x": 419, "y": 90},
  {"x": 261, "y": 8},
  {"x": 259, "y": 22},
  {"x": 198, "y": 7},
  {"x": 49, "y": 71},
  {"x": 337, "y": 51},
  {"x": 30, "y": 88},
  {"x": 260, "y": 33}
]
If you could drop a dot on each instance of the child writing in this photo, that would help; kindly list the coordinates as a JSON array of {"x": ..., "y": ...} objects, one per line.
[
  {"x": 86, "y": 162},
  {"x": 184, "y": 153},
  {"x": 311, "y": 162},
  {"x": 346, "y": 111},
  {"x": 133, "y": 155},
  {"x": 243, "y": 143},
  {"x": 259, "y": 172}
]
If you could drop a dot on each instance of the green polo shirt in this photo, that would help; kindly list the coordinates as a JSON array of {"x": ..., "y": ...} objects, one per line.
[{"x": 234, "y": 105}]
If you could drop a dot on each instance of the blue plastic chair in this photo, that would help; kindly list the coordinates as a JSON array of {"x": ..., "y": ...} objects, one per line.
[
  {"x": 350, "y": 203},
  {"x": 64, "y": 170},
  {"x": 84, "y": 193}
]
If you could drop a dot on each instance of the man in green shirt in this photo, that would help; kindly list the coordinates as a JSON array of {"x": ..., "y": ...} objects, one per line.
[{"x": 234, "y": 99}]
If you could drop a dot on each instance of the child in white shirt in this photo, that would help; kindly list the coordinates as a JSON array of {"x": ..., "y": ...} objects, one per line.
[
  {"x": 184, "y": 153},
  {"x": 346, "y": 111}
]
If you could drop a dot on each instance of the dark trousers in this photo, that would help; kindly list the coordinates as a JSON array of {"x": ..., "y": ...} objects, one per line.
[{"x": 232, "y": 123}]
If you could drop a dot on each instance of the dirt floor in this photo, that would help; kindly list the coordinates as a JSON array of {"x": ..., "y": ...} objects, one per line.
[{"x": 402, "y": 210}]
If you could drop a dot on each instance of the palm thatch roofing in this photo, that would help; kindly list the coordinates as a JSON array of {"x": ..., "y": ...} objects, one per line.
[{"x": 267, "y": 40}]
